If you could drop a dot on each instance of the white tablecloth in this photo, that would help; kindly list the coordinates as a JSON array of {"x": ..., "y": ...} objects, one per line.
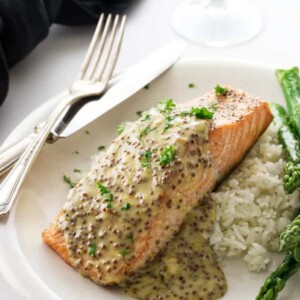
[{"x": 52, "y": 65}]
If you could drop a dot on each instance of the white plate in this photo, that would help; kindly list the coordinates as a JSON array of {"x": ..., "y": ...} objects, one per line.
[{"x": 32, "y": 268}]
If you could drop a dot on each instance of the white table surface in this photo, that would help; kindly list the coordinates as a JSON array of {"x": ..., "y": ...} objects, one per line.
[{"x": 52, "y": 65}]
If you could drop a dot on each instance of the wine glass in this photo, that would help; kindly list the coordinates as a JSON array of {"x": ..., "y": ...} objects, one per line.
[{"x": 217, "y": 23}]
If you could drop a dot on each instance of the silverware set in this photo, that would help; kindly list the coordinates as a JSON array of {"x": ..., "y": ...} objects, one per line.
[
  {"x": 92, "y": 81},
  {"x": 93, "y": 93}
]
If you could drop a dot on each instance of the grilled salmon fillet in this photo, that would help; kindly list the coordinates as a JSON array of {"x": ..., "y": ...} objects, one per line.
[{"x": 160, "y": 167}]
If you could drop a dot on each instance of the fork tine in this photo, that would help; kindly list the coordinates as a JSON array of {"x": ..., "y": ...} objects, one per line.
[
  {"x": 115, "y": 53},
  {"x": 101, "y": 46},
  {"x": 108, "y": 50},
  {"x": 91, "y": 49}
]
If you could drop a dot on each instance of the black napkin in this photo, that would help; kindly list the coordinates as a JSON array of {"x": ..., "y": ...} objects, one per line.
[{"x": 24, "y": 23}]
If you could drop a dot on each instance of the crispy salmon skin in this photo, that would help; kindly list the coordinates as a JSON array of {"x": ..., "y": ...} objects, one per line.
[{"x": 134, "y": 199}]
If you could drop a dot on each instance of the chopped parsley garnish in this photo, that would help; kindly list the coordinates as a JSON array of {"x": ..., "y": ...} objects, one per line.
[
  {"x": 198, "y": 112},
  {"x": 101, "y": 148},
  {"x": 126, "y": 206},
  {"x": 168, "y": 124},
  {"x": 108, "y": 196},
  {"x": 139, "y": 113},
  {"x": 86, "y": 132},
  {"x": 166, "y": 106},
  {"x": 145, "y": 131},
  {"x": 129, "y": 236},
  {"x": 146, "y": 159},
  {"x": 125, "y": 252},
  {"x": 219, "y": 90},
  {"x": 120, "y": 129},
  {"x": 201, "y": 113},
  {"x": 77, "y": 171},
  {"x": 146, "y": 87},
  {"x": 191, "y": 85},
  {"x": 167, "y": 156},
  {"x": 76, "y": 152},
  {"x": 92, "y": 249},
  {"x": 213, "y": 107},
  {"x": 69, "y": 181},
  {"x": 145, "y": 117}
]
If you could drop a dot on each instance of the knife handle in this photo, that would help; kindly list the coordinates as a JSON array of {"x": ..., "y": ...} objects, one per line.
[
  {"x": 9, "y": 155},
  {"x": 12, "y": 183}
]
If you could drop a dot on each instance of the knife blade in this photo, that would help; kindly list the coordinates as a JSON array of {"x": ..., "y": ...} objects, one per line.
[{"x": 130, "y": 82}]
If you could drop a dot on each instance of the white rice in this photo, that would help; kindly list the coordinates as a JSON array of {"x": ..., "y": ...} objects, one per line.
[{"x": 252, "y": 207}]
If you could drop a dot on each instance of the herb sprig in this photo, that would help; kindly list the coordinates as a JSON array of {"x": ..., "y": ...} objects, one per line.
[
  {"x": 198, "y": 113},
  {"x": 120, "y": 129},
  {"x": 126, "y": 206},
  {"x": 166, "y": 106},
  {"x": 146, "y": 159},
  {"x": 69, "y": 181},
  {"x": 201, "y": 113},
  {"x": 167, "y": 156},
  {"x": 219, "y": 90},
  {"x": 124, "y": 252},
  {"x": 108, "y": 196},
  {"x": 92, "y": 249},
  {"x": 145, "y": 131}
]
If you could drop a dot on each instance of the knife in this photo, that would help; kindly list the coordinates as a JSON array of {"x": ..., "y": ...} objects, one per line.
[{"x": 77, "y": 117}]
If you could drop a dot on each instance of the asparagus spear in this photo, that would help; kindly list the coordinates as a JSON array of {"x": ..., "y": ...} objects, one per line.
[
  {"x": 290, "y": 84},
  {"x": 290, "y": 237},
  {"x": 288, "y": 137},
  {"x": 290, "y": 143},
  {"x": 277, "y": 279}
]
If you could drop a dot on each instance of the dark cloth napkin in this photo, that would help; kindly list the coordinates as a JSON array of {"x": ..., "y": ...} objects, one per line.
[{"x": 24, "y": 23}]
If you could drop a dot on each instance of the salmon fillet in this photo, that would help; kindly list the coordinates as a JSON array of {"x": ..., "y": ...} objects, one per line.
[{"x": 238, "y": 121}]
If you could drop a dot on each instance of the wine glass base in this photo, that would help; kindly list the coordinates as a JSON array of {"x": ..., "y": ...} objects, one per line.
[{"x": 229, "y": 23}]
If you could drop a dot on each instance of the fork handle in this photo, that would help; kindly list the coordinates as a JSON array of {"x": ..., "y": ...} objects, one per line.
[
  {"x": 10, "y": 154},
  {"x": 14, "y": 180}
]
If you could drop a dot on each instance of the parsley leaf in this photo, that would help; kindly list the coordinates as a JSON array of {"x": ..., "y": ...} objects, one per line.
[
  {"x": 77, "y": 171},
  {"x": 146, "y": 159},
  {"x": 129, "y": 236},
  {"x": 146, "y": 87},
  {"x": 219, "y": 90},
  {"x": 86, "y": 132},
  {"x": 69, "y": 181},
  {"x": 126, "y": 206},
  {"x": 120, "y": 129},
  {"x": 168, "y": 124},
  {"x": 101, "y": 148},
  {"x": 191, "y": 85},
  {"x": 145, "y": 117},
  {"x": 167, "y": 156},
  {"x": 213, "y": 107},
  {"x": 107, "y": 193},
  {"x": 125, "y": 252},
  {"x": 145, "y": 131},
  {"x": 201, "y": 113},
  {"x": 139, "y": 113},
  {"x": 92, "y": 249},
  {"x": 166, "y": 106}
]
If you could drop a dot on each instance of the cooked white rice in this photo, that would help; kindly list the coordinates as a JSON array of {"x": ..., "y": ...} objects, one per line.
[{"x": 252, "y": 207}]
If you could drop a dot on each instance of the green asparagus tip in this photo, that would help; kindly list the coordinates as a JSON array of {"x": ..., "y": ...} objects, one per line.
[
  {"x": 290, "y": 237},
  {"x": 291, "y": 178},
  {"x": 281, "y": 72}
]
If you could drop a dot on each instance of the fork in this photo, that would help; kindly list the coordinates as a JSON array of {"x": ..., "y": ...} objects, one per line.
[{"x": 92, "y": 80}]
